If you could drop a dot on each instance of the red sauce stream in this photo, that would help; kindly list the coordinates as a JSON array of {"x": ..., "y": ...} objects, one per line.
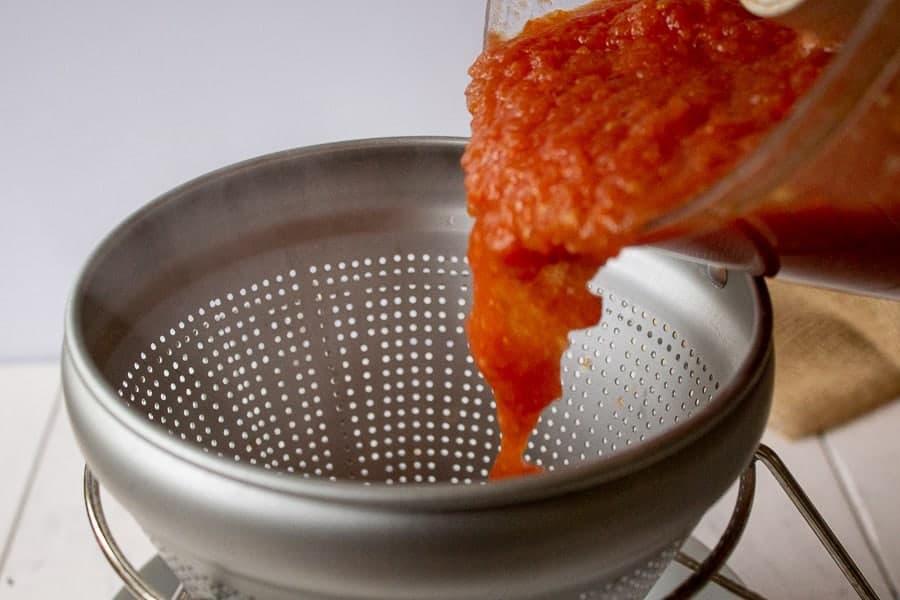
[{"x": 584, "y": 127}]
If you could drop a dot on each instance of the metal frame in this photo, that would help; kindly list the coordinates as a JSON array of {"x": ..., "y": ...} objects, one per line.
[
  {"x": 814, "y": 519},
  {"x": 807, "y": 509},
  {"x": 132, "y": 580},
  {"x": 704, "y": 571}
]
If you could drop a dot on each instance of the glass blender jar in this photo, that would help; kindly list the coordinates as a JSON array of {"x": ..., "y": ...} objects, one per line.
[{"x": 819, "y": 200}]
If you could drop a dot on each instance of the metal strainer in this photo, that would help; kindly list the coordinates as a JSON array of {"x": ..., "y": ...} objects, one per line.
[{"x": 268, "y": 368}]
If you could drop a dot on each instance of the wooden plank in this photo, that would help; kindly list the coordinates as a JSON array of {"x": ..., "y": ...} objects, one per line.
[
  {"x": 778, "y": 555},
  {"x": 26, "y": 401},
  {"x": 54, "y": 554},
  {"x": 866, "y": 455}
]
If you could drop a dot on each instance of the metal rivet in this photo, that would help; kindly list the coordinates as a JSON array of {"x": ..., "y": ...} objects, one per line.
[{"x": 717, "y": 275}]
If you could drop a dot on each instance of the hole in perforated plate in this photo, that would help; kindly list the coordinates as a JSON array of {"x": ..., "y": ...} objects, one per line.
[{"x": 359, "y": 369}]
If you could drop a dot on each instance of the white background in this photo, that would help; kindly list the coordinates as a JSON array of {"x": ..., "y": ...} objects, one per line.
[{"x": 105, "y": 104}]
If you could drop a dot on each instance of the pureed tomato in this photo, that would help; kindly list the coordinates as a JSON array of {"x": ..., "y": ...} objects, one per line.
[{"x": 584, "y": 127}]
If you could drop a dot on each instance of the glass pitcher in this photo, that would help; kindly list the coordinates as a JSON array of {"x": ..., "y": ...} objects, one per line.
[{"x": 819, "y": 200}]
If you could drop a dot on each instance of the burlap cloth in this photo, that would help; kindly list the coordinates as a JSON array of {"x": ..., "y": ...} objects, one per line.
[{"x": 837, "y": 356}]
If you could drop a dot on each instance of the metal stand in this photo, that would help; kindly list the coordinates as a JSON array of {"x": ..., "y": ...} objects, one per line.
[
  {"x": 704, "y": 571},
  {"x": 804, "y": 505},
  {"x": 121, "y": 565},
  {"x": 708, "y": 569},
  {"x": 838, "y": 553}
]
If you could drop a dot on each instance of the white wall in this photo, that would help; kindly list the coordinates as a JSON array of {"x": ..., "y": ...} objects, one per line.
[{"x": 104, "y": 104}]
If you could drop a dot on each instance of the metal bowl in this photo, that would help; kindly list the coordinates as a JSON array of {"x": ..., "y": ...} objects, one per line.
[{"x": 267, "y": 367}]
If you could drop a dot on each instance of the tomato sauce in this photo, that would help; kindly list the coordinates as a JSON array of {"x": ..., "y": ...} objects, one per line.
[{"x": 585, "y": 127}]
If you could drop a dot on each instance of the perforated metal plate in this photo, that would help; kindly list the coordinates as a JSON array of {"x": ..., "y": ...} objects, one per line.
[{"x": 359, "y": 369}]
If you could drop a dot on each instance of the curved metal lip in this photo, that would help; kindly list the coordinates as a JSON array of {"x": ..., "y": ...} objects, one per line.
[{"x": 425, "y": 497}]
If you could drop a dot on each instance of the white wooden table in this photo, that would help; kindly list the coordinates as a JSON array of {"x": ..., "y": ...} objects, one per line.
[{"x": 46, "y": 548}]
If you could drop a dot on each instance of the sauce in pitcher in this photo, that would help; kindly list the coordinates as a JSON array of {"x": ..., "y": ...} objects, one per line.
[{"x": 585, "y": 127}]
